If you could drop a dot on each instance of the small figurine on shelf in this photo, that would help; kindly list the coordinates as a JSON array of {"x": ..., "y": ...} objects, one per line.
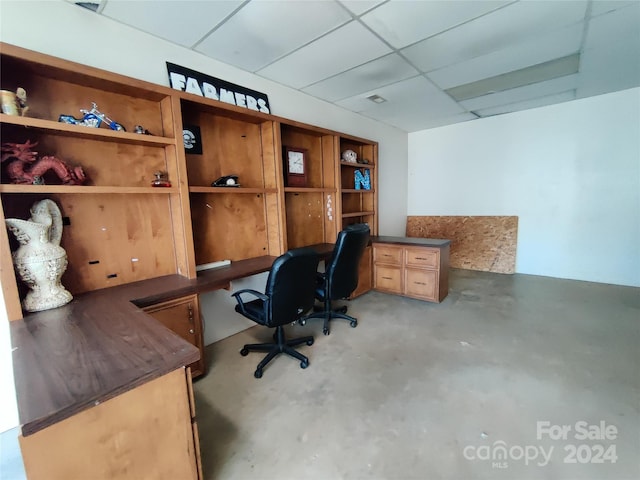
[
  {"x": 14, "y": 103},
  {"x": 141, "y": 130},
  {"x": 349, "y": 156},
  {"x": 24, "y": 166},
  {"x": 161, "y": 180},
  {"x": 91, "y": 118}
]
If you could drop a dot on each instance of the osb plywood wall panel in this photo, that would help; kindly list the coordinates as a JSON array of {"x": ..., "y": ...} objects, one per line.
[{"x": 477, "y": 243}]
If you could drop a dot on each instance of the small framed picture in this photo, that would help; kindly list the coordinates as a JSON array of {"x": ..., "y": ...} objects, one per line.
[{"x": 192, "y": 139}]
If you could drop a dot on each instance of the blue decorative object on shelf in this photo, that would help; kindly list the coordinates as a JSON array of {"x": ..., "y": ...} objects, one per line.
[{"x": 362, "y": 180}]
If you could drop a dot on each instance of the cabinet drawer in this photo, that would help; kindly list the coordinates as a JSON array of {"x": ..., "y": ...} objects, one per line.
[
  {"x": 421, "y": 283},
  {"x": 388, "y": 279},
  {"x": 182, "y": 316},
  {"x": 422, "y": 257},
  {"x": 387, "y": 254}
]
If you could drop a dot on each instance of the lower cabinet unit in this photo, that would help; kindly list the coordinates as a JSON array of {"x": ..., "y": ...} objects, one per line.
[
  {"x": 147, "y": 432},
  {"x": 182, "y": 316},
  {"x": 413, "y": 267},
  {"x": 365, "y": 281}
]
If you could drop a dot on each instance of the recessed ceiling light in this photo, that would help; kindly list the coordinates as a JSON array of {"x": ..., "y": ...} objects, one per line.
[
  {"x": 94, "y": 6},
  {"x": 376, "y": 99},
  {"x": 518, "y": 78}
]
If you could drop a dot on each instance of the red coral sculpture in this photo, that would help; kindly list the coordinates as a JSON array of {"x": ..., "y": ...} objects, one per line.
[{"x": 24, "y": 166}]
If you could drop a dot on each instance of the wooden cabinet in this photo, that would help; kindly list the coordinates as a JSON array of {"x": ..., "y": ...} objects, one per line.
[
  {"x": 365, "y": 273},
  {"x": 118, "y": 228},
  {"x": 182, "y": 316},
  {"x": 112, "y": 439},
  {"x": 359, "y": 205},
  {"x": 236, "y": 222},
  {"x": 417, "y": 271},
  {"x": 309, "y": 209}
]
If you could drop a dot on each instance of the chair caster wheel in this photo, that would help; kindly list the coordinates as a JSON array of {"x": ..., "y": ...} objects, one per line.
[
  {"x": 354, "y": 323},
  {"x": 258, "y": 373},
  {"x": 304, "y": 364},
  {"x": 244, "y": 352},
  {"x": 310, "y": 342},
  {"x": 325, "y": 331},
  {"x": 342, "y": 309},
  {"x": 302, "y": 321}
]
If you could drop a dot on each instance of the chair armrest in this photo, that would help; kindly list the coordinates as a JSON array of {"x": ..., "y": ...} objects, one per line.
[
  {"x": 256, "y": 293},
  {"x": 261, "y": 296}
]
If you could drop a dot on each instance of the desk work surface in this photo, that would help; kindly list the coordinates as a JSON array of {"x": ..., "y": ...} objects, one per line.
[
  {"x": 102, "y": 344},
  {"x": 423, "y": 242}
]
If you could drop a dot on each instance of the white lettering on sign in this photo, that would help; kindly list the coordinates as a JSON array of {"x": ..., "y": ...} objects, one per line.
[{"x": 189, "y": 84}]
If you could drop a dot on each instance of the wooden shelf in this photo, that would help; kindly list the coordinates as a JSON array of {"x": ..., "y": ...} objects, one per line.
[
  {"x": 86, "y": 189},
  {"x": 357, "y": 214},
  {"x": 353, "y": 190},
  {"x": 58, "y": 128},
  {"x": 308, "y": 190},
  {"x": 357, "y": 165},
  {"x": 231, "y": 190}
]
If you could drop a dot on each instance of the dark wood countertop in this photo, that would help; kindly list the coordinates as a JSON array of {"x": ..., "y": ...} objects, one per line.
[
  {"x": 423, "y": 242},
  {"x": 102, "y": 344}
]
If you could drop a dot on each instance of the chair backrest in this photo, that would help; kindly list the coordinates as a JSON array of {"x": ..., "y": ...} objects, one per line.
[
  {"x": 291, "y": 286},
  {"x": 341, "y": 271}
]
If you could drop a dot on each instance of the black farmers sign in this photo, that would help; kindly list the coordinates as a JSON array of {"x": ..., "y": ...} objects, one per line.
[{"x": 190, "y": 81}]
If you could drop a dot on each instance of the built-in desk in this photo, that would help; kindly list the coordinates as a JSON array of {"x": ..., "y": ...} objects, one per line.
[{"x": 103, "y": 379}]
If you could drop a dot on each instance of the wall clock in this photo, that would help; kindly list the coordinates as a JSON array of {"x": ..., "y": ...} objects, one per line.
[{"x": 295, "y": 167}]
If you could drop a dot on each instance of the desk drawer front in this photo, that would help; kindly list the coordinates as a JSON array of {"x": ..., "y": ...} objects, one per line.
[
  {"x": 421, "y": 284},
  {"x": 387, "y": 254},
  {"x": 422, "y": 257},
  {"x": 388, "y": 279}
]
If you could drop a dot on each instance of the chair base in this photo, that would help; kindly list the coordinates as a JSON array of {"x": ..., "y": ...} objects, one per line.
[
  {"x": 328, "y": 314},
  {"x": 281, "y": 345}
]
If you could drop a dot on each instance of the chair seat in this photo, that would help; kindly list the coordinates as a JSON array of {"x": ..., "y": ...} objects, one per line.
[{"x": 255, "y": 310}]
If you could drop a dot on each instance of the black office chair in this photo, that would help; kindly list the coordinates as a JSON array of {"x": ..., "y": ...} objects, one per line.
[
  {"x": 288, "y": 295},
  {"x": 340, "y": 277}
]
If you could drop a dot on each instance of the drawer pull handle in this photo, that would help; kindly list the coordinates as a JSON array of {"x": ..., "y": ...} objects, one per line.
[
  {"x": 387, "y": 278},
  {"x": 419, "y": 283},
  {"x": 421, "y": 258}
]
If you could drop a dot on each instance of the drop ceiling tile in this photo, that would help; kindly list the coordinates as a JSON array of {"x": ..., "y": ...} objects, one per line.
[
  {"x": 414, "y": 121},
  {"x": 342, "y": 49},
  {"x": 377, "y": 73},
  {"x": 263, "y": 31},
  {"x": 605, "y": 70},
  {"x": 184, "y": 22},
  {"x": 541, "y": 89},
  {"x": 507, "y": 26},
  {"x": 412, "y": 95},
  {"x": 619, "y": 26},
  {"x": 559, "y": 43},
  {"x": 358, "y": 7},
  {"x": 402, "y": 22},
  {"x": 598, "y": 7},
  {"x": 527, "y": 104}
]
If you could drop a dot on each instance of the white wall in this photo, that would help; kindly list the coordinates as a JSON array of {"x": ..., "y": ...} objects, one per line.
[
  {"x": 570, "y": 172},
  {"x": 64, "y": 30}
]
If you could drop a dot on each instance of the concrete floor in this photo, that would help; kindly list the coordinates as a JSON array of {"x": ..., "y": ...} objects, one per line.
[{"x": 459, "y": 390}]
